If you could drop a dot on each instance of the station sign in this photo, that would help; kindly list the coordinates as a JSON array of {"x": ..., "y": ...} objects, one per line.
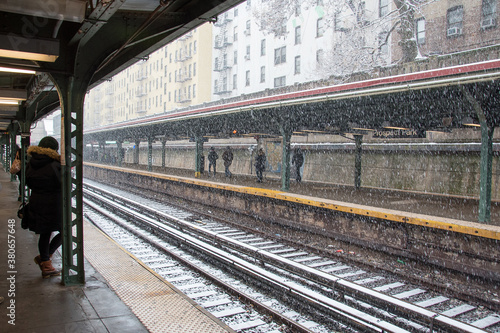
[{"x": 398, "y": 133}]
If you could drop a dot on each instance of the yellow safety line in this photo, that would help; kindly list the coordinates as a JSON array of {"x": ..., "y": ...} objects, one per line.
[{"x": 459, "y": 226}]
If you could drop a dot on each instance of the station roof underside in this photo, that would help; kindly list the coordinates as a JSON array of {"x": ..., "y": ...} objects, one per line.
[{"x": 433, "y": 100}]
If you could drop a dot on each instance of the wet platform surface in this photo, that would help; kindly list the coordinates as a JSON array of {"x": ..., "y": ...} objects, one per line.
[
  {"x": 120, "y": 294},
  {"x": 439, "y": 205}
]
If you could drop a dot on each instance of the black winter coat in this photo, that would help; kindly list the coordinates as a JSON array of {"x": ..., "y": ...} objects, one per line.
[{"x": 43, "y": 177}]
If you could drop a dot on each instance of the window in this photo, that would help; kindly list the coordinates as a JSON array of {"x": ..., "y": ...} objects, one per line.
[
  {"x": 383, "y": 7},
  {"x": 247, "y": 55},
  {"x": 194, "y": 47},
  {"x": 263, "y": 47},
  {"x": 280, "y": 55},
  {"x": 298, "y": 35},
  {"x": 382, "y": 43},
  {"x": 488, "y": 14},
  {"x": 235, "y": 34},
  {"x": 194, "y": 90},
  {"x": 297, "y": 65},
  {"x": 455, "y": 17},
  {"x": 319, "y": 55},
  {"x": 247, "y": 29},
  {"x": 235, "y": 12},
  {"x": 194, "y": 69},
  {"x": 320, "y": 28},
  {"x": 247, "y": 78},
  {"x": 280, "y": 82},
  {"x": 235, "y": 81},
  {"x": 420, "y": 26},
  {"x": 263, "y": 74},
  {"x": 235, "y": 57}
]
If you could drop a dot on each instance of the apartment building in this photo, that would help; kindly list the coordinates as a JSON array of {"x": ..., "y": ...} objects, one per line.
[
  {"x": 173, "y": 77},
  {"x": 263, "y": 44},
  {"x": 452, "y": 26}
]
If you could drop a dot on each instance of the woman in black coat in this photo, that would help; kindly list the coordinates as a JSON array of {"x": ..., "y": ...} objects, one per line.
[{"x": 43, "y": 177}]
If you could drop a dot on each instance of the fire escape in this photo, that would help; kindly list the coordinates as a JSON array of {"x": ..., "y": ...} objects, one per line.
[{"x": 222, "y": 66}]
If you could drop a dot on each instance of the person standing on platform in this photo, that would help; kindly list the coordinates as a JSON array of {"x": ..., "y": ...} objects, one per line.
[
  {"x": 298, "y": 161},
  {"x": 227, "y": 156},
  {"x": 43, "y": 177},
  {"x": 212, "y": 160},
  {"x": 260, "y": 164}
]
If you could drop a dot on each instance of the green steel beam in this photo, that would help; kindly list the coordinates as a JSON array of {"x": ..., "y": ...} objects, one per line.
[
  {"x": 484, "y": 213},
  {"x": 285, "y": 162},
  {"x": 72, "y": 93},
  {"x": 163, "y": 152},
  {"x": 199, "y": 152},
  {"x": 150, "y": 153},
  {"x": 119, "y": 153},
  {"x": 357, "y": 161}
]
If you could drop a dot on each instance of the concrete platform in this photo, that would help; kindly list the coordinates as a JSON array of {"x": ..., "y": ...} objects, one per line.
[{"x": 120, "y": 295}]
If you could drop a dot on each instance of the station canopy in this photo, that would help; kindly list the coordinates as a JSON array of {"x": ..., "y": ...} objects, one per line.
[{"x": 39, "y": 39}]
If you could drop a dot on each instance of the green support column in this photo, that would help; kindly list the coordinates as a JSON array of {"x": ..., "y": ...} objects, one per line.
[
  {"x": 71, "y": 95},
  {"x": 13, "y": 147},
  {"x": 484, "y": 214},
  {"x": 199, "y": 153},
  {"x": 357, "y": 161},
  {"x": 119, "y": 152},
  {"x": 136, "y": 152},
  {"x": 7, "y": 150},
  {"x": 163, "y": 152},
  {"x": 150, "y": 153},
  {"x": 25, "y": 142},
  {"x": 486, "y": 171},
  {"x": 285, "y": 161}
]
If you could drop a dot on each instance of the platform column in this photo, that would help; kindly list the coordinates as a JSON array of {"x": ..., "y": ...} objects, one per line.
[
  {"x": 285, "y": 161},
  {"x": 163, "y": 152},
  {"x": 7, "y": 161},
  {"x": 199, "y": 152},
  {"x": 72, "y": 91},
  {"x": 484, "y": 214},
  {"x": 13, "y": 134},
  {"x": 119, "y": 152},
  {"x": 486, "y": 172},
  {"x": 25, "y": 142},
  {"x": 357, "y": 161},
  {"x": 150, "y": 153},
  {"x": 136, "y": 151}
]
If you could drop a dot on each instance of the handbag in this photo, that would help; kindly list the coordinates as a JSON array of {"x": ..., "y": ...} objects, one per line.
[
  {"x": 15, "y": 167},
  {"x": 23, "y": 214}
]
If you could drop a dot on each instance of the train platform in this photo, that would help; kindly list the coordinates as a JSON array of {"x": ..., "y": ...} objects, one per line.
[
  {"x": 120, "y": 294},
  {"x": 443, "y": 206}
]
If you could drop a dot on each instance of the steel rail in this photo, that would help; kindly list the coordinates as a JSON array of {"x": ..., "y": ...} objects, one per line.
[
  {"x": 430, "y": 318},
  {"x": 354, "y": 316}
]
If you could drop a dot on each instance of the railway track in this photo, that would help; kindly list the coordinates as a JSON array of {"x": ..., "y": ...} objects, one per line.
[{"x": 359, "y": 299}]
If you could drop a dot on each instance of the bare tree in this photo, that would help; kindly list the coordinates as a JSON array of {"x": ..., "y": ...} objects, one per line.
[{"x": 361, "y": 40}]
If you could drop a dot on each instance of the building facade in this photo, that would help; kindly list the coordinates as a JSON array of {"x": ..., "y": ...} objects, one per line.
[
  {"x": 263, "y": 44},
  {"x": 175, "y": 76}
]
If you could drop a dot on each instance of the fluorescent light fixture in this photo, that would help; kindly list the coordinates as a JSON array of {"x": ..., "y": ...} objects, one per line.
[
  {"x": 396, "y": 128},
  {"x": 362, "y": 129},
  {"x": 5, "y": 101},
  {"x": 13, "y": 46},
  {"x": 16, "y": 70},
  {"x": 468, "y": 121}
]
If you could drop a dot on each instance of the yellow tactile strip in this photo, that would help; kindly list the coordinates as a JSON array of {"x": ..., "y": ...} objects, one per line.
[
  {"x": 452, "y": 225},
  {"x": 156, "y": 303}
]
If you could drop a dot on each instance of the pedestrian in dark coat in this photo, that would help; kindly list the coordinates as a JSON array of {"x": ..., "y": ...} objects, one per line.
[
  {"x": 227, "y": 157},
  {"x": 212, "y": 160},
  {"x": 298, "y": 161},
  {"x": 260, "y": 164},
  {"x": 43, "y": 177}
]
